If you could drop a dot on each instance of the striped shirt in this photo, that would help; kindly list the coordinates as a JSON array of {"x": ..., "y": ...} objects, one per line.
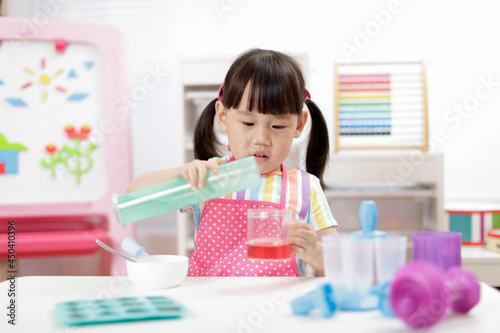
[{"x": 304, "y": 196}]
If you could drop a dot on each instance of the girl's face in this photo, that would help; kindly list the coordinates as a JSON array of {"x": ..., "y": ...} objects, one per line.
[{"x": 267, "y": 137}]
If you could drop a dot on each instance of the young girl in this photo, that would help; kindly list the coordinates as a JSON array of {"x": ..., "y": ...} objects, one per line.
[{"x": 260, "y": 106}]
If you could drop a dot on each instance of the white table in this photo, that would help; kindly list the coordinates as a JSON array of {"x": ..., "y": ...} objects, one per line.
[{"x": 219, "y": 305}]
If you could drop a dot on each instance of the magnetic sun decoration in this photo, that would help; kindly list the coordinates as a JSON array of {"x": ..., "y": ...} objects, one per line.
[{"x": 44, "y": 79}]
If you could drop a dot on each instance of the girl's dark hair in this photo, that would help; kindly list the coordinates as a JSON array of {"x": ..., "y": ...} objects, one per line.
[{"x": 277, "y": 87}]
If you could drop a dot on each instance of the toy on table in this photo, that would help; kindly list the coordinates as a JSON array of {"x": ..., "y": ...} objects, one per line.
[
  {"x": 358, "y": 266},
  {"x": 421, "y": 293},
  {"x": 177, "y": 193},
  {"x": 118, "y": 310},
  {"x": 322, "y": 297},
  {"x": 359, "y": 263}
]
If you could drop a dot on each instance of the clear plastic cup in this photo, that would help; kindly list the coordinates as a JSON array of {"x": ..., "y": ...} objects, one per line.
[
  {"x": 332, "y": 259},
  {"x": 357, "y": 263},
  {"x": 267, "y": 234},
  {"x": 349, "y": 267},
  {"x": 390, "y": 256},
  {"x": 348, "y": 261}
]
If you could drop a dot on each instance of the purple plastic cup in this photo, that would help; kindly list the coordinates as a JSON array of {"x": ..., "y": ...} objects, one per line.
[{"x": 442, "y": 248}]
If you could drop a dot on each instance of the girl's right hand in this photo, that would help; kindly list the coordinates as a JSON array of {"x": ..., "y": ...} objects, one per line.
[{"x": 195, "y": 172}]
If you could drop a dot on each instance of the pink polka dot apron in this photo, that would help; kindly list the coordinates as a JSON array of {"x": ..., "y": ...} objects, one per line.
[{"x": 221, "y": 240}]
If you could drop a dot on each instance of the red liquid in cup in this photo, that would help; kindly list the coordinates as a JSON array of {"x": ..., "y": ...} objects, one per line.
[{"x": 269, "y": 249}]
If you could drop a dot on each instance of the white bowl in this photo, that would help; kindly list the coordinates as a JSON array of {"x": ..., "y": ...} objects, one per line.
[{"x": 169, "y": 271}]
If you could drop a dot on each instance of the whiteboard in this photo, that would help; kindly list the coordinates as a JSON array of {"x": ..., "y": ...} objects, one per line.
[{"x": 41, "y": 92}]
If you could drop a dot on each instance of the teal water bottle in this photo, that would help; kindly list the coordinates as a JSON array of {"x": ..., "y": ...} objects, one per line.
[{"x": 175, "y": 194}]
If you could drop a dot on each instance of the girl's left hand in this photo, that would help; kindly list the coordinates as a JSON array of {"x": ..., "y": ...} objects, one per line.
[{"x": 304, "y": 240}]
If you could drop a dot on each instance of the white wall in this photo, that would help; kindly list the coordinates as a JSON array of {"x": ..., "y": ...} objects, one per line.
[{"x": 456, "y": 38}]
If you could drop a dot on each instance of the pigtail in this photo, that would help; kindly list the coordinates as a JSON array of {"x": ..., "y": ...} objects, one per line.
[
  {"x": 319, "y": 146},
  {"x": 205, "y": 140}
]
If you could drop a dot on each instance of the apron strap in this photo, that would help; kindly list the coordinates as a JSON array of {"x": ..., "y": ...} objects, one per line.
[
  {"x": 283, "y": 183},
  {"x": 283, "y": 186}
]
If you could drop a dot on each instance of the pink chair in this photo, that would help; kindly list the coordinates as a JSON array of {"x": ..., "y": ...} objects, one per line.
[{"x": 65, "y": 227}]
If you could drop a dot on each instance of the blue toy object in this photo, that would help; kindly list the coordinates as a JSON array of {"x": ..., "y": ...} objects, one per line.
[
  {"x": 384, "y": 304},
  {"x": 368, "y": 215},
  {"x": 118, "y": 310},
  {"x": 354, "y": 300},
  {"x": 322, "y": 297},
  {"x": 350, "y": 266},
  {"x": 329, "y": 301}
]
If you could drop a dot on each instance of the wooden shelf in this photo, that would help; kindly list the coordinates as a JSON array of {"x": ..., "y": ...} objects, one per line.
[
  {"x": 379, "y": 191},
  {"x": 407, "y": 185}
]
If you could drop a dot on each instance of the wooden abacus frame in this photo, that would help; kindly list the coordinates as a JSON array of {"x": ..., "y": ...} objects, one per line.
[{"x": 421, "y": 114}]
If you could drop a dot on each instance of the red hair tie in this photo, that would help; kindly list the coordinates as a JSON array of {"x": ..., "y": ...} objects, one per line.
[
  {"x": 221, "y": 90},
  {"x": 307, "y": 95}
]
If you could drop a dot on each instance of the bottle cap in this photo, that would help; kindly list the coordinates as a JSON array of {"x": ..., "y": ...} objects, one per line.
[{"x": 130, "y": 246}]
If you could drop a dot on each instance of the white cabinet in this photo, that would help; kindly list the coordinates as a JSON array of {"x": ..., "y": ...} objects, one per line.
[{"x": 407, "y": 187}]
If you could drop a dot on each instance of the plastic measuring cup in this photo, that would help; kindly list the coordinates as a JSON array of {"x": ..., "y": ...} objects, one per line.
[
  {"x": 390, "y": 256},
  {"x": 332, "y": 259},
  {"x": 357, "y": 263},
  {"x": 177, "y": 193},
  {"x": 267, "y": 234}
]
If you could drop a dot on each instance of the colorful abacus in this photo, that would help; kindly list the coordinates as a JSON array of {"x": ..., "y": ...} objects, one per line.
[{"x": 381, "y": 105}]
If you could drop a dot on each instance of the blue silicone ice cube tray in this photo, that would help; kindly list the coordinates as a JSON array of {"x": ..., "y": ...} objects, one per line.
[{"x": 118, "y": 310}]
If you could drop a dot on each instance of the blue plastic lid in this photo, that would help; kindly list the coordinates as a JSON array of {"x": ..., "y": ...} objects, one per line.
[
  {"x": 130, "y": 246},
  {"x": 368, "y": 215}
]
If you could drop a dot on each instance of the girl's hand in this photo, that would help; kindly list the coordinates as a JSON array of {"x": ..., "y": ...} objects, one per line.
[
  {"x": 304, "y": 241},
  {"x": 195, "y": 172}
]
